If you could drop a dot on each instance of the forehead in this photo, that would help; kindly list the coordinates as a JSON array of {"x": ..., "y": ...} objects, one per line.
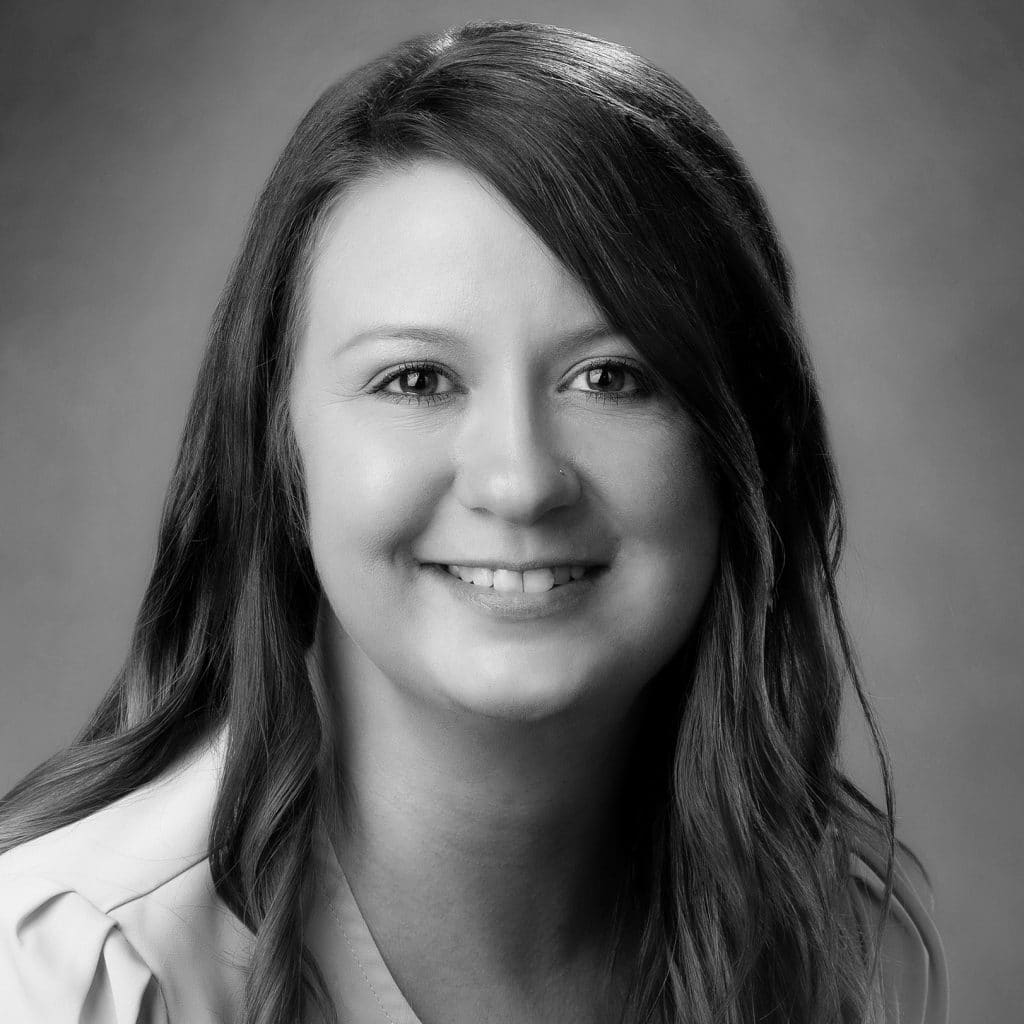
[{"x": 432, "y": 240}]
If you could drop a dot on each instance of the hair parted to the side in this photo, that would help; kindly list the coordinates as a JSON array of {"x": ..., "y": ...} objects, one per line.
[{"x": 744, "y": 821}]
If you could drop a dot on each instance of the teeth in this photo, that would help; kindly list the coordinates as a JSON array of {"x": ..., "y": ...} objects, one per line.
[
  {"x": 483, "y": 577},
  {"x": 508, "y": 581},
  {"x": 536, "y": 581}
]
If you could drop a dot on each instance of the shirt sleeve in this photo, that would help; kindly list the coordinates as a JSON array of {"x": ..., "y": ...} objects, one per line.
[
  {"x": 64, "y": 961},
  {"x": 913, "y": 975}
]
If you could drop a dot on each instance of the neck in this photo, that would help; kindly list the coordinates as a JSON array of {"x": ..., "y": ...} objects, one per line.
[{"x": 477, "y": 847}]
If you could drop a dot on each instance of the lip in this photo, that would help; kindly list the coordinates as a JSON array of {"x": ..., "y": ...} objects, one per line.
[
  {"x": 520, "y": 606},
  {"x": 535, "y": 563}
]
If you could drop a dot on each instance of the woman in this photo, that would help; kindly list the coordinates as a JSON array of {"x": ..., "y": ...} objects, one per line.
[{"x": 491, "y": 665}]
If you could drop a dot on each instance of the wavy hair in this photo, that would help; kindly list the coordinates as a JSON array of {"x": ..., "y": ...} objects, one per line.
[{"x": 743, "y": 821}]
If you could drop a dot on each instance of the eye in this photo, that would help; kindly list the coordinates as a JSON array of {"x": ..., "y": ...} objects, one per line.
[
  {"x": 611, "y": 380},
  {"x": 416, "y": 382}
]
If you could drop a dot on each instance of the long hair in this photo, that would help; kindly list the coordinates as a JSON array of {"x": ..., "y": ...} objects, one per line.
[{"x": 744, "y": 822}]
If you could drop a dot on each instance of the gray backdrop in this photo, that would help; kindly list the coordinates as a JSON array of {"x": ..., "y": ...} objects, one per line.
[{"x": 887, "y": 137}]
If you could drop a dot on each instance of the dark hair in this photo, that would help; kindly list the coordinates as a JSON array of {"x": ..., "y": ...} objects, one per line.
[{"x": 744, "y": 821}]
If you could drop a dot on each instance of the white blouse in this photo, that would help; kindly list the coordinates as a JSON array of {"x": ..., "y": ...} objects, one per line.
[{"x": 114, "y": 919}]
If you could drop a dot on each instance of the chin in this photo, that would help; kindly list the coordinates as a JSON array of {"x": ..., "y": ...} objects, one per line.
[
  {"x": 521, "y": 693},
  {"x": 509, "y": 706}
]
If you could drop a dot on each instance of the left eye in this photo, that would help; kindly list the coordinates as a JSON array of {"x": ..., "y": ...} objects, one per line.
[{"x": 607, "y": 379}]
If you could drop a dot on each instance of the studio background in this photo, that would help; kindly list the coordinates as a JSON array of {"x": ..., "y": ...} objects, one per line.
[{"x": 887, "y": 136}]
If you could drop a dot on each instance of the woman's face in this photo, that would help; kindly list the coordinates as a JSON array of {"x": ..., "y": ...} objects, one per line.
[{"x": 460, "y": 407}]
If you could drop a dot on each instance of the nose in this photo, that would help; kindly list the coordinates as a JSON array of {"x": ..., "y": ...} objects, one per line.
[{"x": 507, "y": 464}]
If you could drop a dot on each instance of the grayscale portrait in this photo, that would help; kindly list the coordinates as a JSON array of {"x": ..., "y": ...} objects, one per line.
[{"x": 509, "y": 514}]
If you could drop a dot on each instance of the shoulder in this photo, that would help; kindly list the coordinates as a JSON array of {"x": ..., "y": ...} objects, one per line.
[
  {"x": 914, "y": 986},
  {"x": 115, "y": 917}
]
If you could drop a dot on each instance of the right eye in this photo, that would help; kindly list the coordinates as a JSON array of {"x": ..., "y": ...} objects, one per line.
[{"x": 416, "y": 382}]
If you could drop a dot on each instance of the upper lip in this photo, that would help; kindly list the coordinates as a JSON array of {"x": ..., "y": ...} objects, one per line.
[{"x": 514, "y": 566}]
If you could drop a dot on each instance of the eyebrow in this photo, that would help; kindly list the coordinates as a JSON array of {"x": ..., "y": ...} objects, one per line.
[{"x": 444, "y": 338}]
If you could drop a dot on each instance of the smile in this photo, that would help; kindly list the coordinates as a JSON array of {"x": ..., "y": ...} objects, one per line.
[
  {"x": 511, "y": 581},
  {"x": 513, "y": 595}
]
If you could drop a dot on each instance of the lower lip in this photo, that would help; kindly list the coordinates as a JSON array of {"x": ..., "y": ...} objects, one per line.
[{"x": 520, "y": 606}]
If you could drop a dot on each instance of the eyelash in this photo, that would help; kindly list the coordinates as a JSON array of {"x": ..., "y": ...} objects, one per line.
[
  {"x": 642, "y": 389},
  {"x": 401, "y": 371}
]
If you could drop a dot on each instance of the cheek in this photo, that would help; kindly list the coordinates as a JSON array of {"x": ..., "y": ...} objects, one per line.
[
  {"x": 663, "y": 494},
  {"x": 368, "y": 492},
  {"x": 669, "y": 521}
]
